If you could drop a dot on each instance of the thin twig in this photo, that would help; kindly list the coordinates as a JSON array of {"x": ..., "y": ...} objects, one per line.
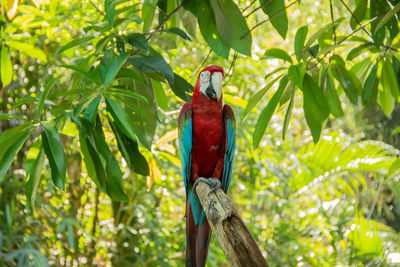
[
  {"x": 261, "y": 6},
  {"x": 354, "y": 17},
  {"x": 201, "y": 64},
  {"x": 248, "y": 6},
  {"x": 270, "y": 18},
  {"x": 365, "y": 30},
  {"x": 164, "y": 21},
  {"x": 96, "y": 7},
  {"x": 345, "y": 38},
  {"x": 333, "y": 22},
  {"x": 168, "y": 113},
  {"x": 230, "y": 71}
]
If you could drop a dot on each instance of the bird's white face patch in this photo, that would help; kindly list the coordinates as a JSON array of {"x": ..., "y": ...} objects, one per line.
[
  {"x": 204, "y": 80},
  {"x": 211, "y": 85}
]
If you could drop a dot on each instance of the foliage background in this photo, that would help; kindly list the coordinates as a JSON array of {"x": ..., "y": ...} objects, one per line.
[{"x": 333, "y": 203}]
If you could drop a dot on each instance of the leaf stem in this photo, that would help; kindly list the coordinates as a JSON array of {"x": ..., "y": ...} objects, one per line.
[
  {"x": 164, "y": 21},
  {"x": 334, "y": 27},
  {"x": 201, "y": 64},
  {"x": 96, "y": 7},
  {"x": 270, "y": 18},
  {"x": 261, "y": 6},
  {"x": 345, "y": 38}
]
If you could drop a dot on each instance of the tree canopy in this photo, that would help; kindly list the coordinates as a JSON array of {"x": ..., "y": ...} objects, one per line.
[{"x": 91, "y": 91}]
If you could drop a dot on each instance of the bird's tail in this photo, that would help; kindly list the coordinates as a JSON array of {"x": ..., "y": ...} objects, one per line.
[{"x": 197, "y": 239}]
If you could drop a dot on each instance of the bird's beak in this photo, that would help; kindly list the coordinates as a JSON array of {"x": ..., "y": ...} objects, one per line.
[{"x": 216, "y": 85}]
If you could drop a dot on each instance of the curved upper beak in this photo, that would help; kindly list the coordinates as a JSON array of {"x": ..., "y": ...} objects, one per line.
[{"x": 216, "y": 85}]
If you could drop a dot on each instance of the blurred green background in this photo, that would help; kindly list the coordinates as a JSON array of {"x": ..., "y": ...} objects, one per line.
[{"x": 332, "y": 203}]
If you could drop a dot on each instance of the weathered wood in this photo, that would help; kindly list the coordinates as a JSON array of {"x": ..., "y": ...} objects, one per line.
[{"x": 233, "y": 236}]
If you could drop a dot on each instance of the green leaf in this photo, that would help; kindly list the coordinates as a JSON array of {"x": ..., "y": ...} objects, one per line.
[
  {"x": 254, "y": 99},
  {"x": 299, "y": 41},
  {"x": 110, "y": 11},
  {"x": 33, "y": 182},
  {"x": 348, "y": 81},
  {"x": 376, "y": 9},
  {"x": 390, "y": 14},
  {"x": 5, "y": 66},
  {"x": 114, "y": 67},
  {"x": 91, "y": 110},
  {"x": 108, "y": 174},
  {"x": 43, "y": 96},
  {"x": 323, "y": 30},
  {"x": 315, "y": 106},
  {"x": 55, "y": 154},
  {"x": 121, "y": 118},
  {"x": 332, "y": 97},
  {"x": 370, "y": 88},
  {"x": 288, "y": 115},
  {"x": 138, "y": 40},
  {"x": 161, "y": 97},
  {"x": 396, "y": 131},
  {"x": 179, "y": 32},
  {"x": 128, "y": 73},
  {"x": 277, "y": 53},
  {"x": 296, "y": 74},
  {"x": 11, "y": 116},
  {"x": 232, "y": 26},
  {"x": 128, "y": 93},
  {"x": 394, "y": 167},
  {"x": 12, "y": 149},
  {"x": 359, "y": 14},
  {"x": 130, "y": 151},
  {"x": 73, "y": 43},
  {"x": 386, "y": 100},
  {"x": 208, "y": 29},
  {"x": 272, "y": 8},
  {"x": 181, "y": 87},
  {"x": 152, "y": 64},
  {"x": 145, "y": 124},
  {"x": 193, "y": 6},
  {"x": 148, "y": 10},
  {"x": 267, "y": 112},
  {"x": 388, "y": 76},
  {"x": 357, "y": 51},
  {"x": 28, "y": 49},
  {"x": 8, "y": 137},
  {"x": 80, "y": 70}
]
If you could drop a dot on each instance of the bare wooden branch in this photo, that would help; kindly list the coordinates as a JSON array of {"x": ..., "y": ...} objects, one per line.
[{"x": 233, "y": 236}]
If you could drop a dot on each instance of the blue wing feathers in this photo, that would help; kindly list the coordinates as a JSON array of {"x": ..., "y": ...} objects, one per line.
[
  {"x": 185, "y": 142},
  {"x": 230, "y": 132}
]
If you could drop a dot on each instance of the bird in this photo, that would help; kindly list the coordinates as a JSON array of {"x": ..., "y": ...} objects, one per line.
[{"x": 206, "y": 133}]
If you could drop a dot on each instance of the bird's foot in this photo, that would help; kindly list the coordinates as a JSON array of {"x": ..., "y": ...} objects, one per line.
[{"x": 214, "y": 183}]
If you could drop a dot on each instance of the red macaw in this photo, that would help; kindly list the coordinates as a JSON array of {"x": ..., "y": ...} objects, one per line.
[{"x": 207, "y": 142}]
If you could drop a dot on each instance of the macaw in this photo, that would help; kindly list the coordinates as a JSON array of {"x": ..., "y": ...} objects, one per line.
[{"x": 207, "y": 143}]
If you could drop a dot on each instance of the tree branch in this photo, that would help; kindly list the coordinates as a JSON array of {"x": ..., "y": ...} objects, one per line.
[{"x": 233, "y": 236}]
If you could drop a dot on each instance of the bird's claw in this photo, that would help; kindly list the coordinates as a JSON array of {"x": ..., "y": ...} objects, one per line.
[{"x": 214, "y": 183}]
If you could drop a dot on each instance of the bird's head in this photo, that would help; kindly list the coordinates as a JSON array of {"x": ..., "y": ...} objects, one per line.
[{"x": 209, "y": 82}]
